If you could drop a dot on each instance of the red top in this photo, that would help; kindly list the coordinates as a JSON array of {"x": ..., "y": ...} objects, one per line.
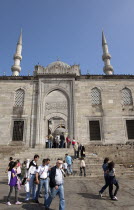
[
  {"x": 68, "y": 140},
  {"x": 73, "y": 142}
]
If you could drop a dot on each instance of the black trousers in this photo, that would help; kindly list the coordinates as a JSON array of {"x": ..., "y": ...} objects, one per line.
[
  {"x": 78, "y": 154},
  {"x": 10, "y": 192},
  {"x": 84, "y": 170}
]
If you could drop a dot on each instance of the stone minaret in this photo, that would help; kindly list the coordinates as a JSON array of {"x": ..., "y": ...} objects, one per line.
[
  {"x": 108, "y": 69},
  {"x": 17, "y": 58}
]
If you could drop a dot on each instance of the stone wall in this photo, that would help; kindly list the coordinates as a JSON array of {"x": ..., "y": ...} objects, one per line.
[
  {"x": 72, "y": 100},
  {"x": 7, "y": 111},
  {"x": 111, "y": 114},
  {"x": 118, "y": 153}
]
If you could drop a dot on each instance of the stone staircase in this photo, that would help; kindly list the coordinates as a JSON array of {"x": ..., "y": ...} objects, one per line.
[
  {"x": 93, "y": 161},
  {"x": 24, "y": 154},
  {"x": 122, "y": 155}
]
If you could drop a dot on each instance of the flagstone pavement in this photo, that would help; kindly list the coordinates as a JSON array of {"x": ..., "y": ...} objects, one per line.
[{"x": 81, "y": 193}]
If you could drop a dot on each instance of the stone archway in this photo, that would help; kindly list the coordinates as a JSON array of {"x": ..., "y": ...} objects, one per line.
[
  {"x": 56, "y": 111},
  {"x": 54, "y": 100},
  {"x": 56, "y": 123}
]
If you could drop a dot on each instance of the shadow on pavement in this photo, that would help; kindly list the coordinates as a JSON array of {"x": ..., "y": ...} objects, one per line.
[
  {"x": 91, "y": 196},
  {"x": 26, "y": 206},
  {"x": 29, "y": 206},
  {"x": 33, "y": 206}
]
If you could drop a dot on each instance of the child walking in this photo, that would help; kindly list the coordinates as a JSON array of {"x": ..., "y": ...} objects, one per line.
[
  {"x": 13, "y": 184},
  {"x": 82, "y": 166}
]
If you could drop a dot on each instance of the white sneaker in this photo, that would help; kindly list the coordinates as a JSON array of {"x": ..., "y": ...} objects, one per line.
[
  {"x": 100, "y": 194},
  {"x": 18, "y": 203},
  {"x": 8, "y": 203},
  {"x": 115, "y": 198}
]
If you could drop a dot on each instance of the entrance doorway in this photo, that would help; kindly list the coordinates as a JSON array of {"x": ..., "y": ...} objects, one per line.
[
  {"x": 57, "y": 126},
  {"x": 57, "y": 132}
]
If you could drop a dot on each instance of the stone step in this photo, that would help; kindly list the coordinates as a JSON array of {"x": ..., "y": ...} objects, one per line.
[
  {"x": 93, "y": 162},
  {"x": 76, "y": 175},
  {"x": 2, "y": 172}
]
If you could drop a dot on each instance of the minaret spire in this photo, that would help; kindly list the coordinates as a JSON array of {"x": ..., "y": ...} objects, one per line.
[
  {"x": 108, "y": 69},
  {"x": 16, "y": 68}
]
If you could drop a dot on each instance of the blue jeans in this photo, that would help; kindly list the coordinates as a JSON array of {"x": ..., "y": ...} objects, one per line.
[
  {"x": 112, "y": 180},
  {"x": 50, "y": 144},
  {"x": 32, "y": 187},
  {"x": 54, "y": 192},
  {"x": 106, "y": 184},
  {"x": 69, "y": 169},
  {"x": 43, "y": 183}
]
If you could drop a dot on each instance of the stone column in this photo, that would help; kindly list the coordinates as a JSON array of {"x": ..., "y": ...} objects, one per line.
[{"x": 38, "y": 122}]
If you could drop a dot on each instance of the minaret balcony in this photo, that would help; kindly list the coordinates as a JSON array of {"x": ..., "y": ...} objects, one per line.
[
  {"x": 17, "y": 56},
  {"x": 108, "y": 70},
  {"x": 16, "y": 68},
  {"x": 106, "y": 56}
]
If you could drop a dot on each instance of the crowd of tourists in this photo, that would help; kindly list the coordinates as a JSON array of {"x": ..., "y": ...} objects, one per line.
[
  {"x": 34, "y": 178},
  {"x": 59, "y": 141}
]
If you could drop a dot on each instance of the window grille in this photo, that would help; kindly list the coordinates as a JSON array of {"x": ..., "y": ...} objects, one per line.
[
  {"x": 18, "y": 131},
  {"x": 127, "y": 97},
  {"x": 19, "y": 98},
  {"x": 130, "y": 129},
  {"x": 94, "y": 127},
  {"x": 96, "y": 96}
]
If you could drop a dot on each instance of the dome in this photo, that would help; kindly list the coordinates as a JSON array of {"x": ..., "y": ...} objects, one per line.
[{"x": 58, "y": 63}]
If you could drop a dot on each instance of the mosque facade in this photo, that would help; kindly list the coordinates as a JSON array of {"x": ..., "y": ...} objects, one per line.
[{"x": 93, "y": 109}]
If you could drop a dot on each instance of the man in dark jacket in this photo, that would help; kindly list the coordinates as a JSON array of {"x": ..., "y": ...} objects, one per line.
[{"x": 56, "y": 185}]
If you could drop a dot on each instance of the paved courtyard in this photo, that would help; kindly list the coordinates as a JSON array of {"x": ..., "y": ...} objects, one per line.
[{"x": 80, "y": 194}]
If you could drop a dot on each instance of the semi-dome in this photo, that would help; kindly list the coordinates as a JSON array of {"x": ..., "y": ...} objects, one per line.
[{"x": 58, "y": 63}]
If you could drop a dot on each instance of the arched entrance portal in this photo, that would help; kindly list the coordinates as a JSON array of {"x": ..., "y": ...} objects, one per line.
[{"x": 57, "y": 113}]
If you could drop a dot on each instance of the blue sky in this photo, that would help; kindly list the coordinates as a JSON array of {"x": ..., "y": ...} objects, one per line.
[{"x": 69, "y": 29}]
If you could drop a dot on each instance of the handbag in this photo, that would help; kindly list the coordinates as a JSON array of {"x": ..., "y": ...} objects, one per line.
[
  {"x": 24, "y": 181},
  {"x": 27, "y": 188},
  {"x": 35, "y": 181}
]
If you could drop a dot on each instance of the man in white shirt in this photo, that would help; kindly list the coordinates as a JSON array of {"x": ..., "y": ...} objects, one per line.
[
  {"x": 42, "y": 179},
  {"x": 31, "y": 175}
]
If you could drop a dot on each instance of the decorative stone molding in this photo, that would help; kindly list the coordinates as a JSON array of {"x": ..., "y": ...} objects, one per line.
[
  {"x": 49, "y": 116},
  {"x": 56, "y": 105}
]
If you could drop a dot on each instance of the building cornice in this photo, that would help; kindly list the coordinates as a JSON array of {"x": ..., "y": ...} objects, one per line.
[{"x": 82, "y": 77}]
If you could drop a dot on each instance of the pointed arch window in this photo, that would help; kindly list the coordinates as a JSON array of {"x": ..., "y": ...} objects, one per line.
[
  {"x": 96, "y": 96},
  {"x": 127, "y": 97},
  {"x": 19, "y": 98}
]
